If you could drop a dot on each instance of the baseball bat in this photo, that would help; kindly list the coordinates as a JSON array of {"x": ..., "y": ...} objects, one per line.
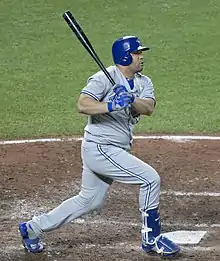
[{"x": 78, "y": 31}]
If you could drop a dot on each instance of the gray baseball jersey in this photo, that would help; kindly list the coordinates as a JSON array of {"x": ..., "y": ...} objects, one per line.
[{"x": 116, "y": 127}]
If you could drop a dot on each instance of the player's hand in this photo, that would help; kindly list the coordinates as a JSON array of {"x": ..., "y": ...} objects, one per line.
[
  {"x": 121, "y": 101},
  {"x": 119, "y": 89},
  {"x": 132, "y": 97}
]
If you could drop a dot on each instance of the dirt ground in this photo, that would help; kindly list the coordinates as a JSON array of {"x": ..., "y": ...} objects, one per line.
[{"x": 36, "y": 177}]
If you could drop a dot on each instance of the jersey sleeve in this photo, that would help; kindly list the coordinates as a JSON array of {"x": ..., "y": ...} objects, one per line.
[
  {"x": 95, "y": 88},
  {"x": 148, "y": 89}
]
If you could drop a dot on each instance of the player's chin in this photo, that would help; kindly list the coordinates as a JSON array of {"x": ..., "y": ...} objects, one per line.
[{"x": 140, "y": 69}]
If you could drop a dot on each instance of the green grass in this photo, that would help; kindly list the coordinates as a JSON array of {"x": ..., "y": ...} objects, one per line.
[{"x": 44, "y": 67}]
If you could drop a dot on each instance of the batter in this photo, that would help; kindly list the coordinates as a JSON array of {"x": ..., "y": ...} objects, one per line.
[{"x": 112, "y": 112}]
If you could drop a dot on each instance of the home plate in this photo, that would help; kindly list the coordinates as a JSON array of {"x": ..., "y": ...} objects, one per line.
[{"x": 184, "y": 237}]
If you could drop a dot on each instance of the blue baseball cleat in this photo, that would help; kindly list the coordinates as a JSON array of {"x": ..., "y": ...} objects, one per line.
[
  {"x": 29, "y": 239},
  {"x": 162, "y": 246}
]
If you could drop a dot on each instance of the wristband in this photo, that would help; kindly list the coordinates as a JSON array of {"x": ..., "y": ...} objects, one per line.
[
  {"x": 132, "y": 98},
  {"x": 110, "y": 109}
]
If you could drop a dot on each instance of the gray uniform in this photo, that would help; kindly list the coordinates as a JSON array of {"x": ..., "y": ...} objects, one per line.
[
  {"x": 105, "y": 155},
  {"x": 116, "y": 127}
]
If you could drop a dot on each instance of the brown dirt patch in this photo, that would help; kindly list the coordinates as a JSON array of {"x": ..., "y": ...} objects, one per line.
[{"x": 36, "y": 177}]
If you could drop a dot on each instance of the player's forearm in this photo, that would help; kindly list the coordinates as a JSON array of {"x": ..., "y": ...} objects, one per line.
[
  {"x": 143, "y": 106},
  {"x": 90, "y": 106}
]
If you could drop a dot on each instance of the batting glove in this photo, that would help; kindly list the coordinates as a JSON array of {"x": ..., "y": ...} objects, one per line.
[
  {"x": 119, "y": 89},
  {"x": 121, "y": 101}
]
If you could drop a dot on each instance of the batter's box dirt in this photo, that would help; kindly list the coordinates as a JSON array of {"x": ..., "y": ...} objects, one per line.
[{"x": 36, "y": 177}]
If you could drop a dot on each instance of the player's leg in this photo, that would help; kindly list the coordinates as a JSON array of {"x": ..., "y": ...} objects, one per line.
[
  {"x": 93, "y": 193},
  {"x": 126, "y": 168},
  {"x": 120, "y": 165}
]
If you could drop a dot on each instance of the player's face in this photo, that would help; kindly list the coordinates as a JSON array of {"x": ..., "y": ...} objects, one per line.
[{"x": 137, "y": 64}]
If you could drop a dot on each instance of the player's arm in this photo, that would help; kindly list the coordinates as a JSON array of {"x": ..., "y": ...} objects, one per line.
[
  {"x": 144, "y": 106},
  {"x": 89, "y": 106}
]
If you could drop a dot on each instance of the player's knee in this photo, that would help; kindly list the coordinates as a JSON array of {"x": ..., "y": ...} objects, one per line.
[
  {"x": 91, "y": 202},
  {"x": 157, "y": 179},
  {"x": 97, "y": 204},
  {"x": 153, "y": 179}
]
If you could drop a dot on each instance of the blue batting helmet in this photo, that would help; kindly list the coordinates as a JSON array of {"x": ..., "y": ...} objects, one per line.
[{"x": 123, "y": 47}]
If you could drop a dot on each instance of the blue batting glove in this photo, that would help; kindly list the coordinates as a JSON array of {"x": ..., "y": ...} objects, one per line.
[
  {"x": 132, "y": 97},
  {"x": 120, "y": 102},
  {"x": 118, "y": 89}
]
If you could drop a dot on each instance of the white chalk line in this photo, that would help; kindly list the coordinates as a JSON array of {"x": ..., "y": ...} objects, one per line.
[
  {"x": 177, "y": 138},
  {"x": 135, "y": 224},
  {"x": 175, "y": 193},
  {"x": 189, "y": 194}
]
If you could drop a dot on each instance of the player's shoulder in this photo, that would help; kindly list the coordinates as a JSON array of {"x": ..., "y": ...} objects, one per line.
[
  {"x": 100, "y": 76},
  {"x": 144, "y": 78}
]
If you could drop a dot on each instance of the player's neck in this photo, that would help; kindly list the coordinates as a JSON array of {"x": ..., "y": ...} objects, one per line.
[{"x": 125, "y": 70}]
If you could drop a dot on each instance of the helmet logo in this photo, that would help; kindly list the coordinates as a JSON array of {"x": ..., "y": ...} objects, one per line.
[{"x": 126, "y": 46}]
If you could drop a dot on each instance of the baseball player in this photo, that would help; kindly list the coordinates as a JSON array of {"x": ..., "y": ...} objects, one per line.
[{"x": 112, "y": 112}]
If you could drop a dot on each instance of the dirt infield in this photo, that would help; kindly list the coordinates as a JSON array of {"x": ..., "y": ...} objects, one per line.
[{"x": 36, "y": 177}]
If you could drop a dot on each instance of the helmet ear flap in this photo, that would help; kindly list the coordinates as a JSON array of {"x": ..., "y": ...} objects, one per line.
[{"x": 126, "y": 59}]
